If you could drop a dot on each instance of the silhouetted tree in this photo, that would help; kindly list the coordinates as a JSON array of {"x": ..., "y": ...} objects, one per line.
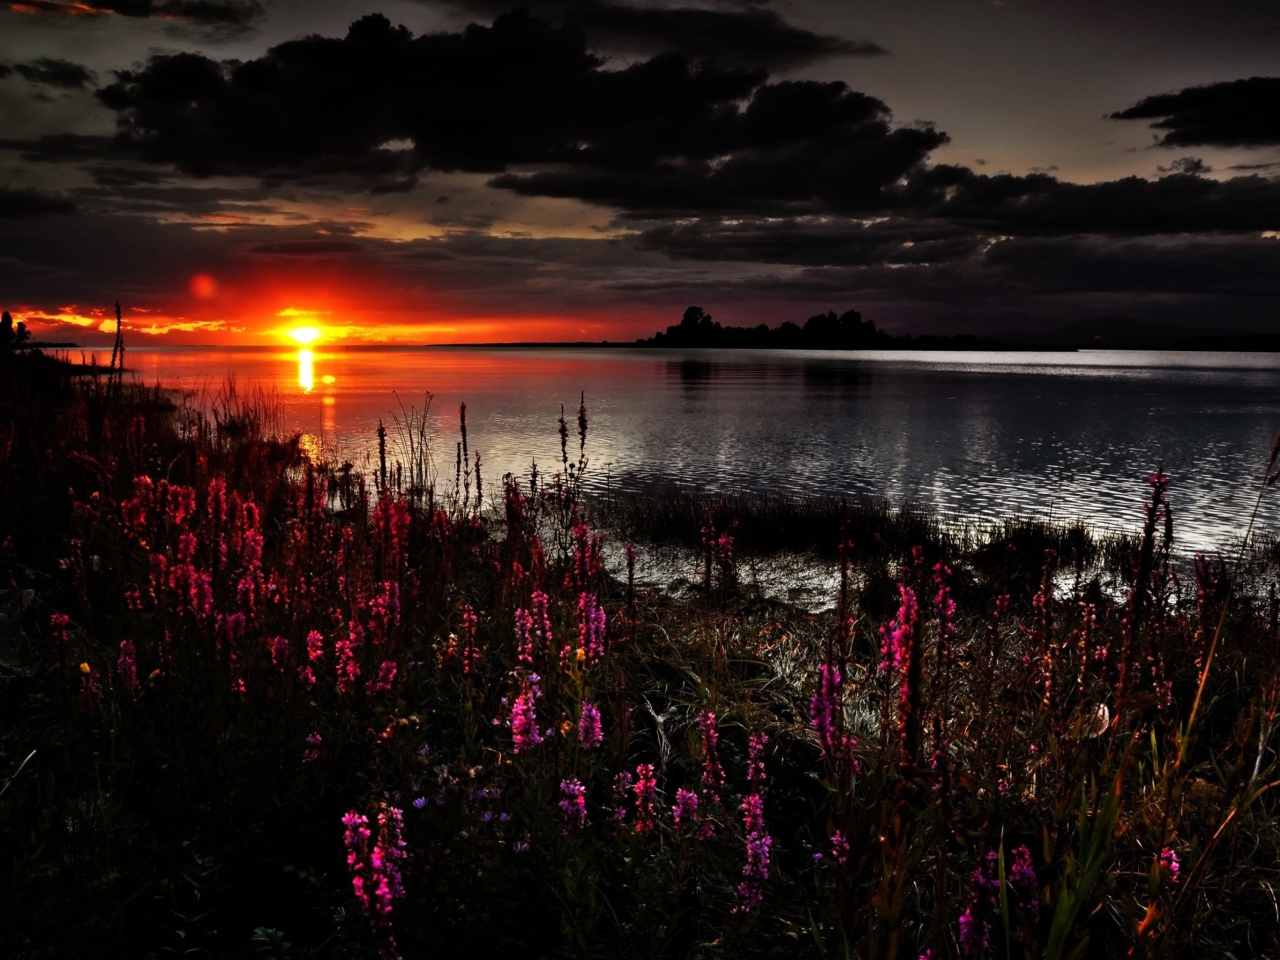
[{"x": 6, "y": 331}]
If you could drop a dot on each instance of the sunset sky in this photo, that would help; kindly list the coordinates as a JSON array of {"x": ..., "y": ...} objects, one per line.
[{"x": 462, "y": 170}]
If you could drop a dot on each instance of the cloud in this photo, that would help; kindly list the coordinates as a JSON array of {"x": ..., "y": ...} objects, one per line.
[
  {"x": 29, "y": 204},
  {"x": 741, "y": 33},
  {"x": 212, "y": 13},
  {"x": 1237, "y": 113},
  {"x": 55, "y": 73},
  {"x": 666, "y": 133}
]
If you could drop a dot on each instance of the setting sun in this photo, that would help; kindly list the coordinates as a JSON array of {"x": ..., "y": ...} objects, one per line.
[{"x": 305, "y": 335}]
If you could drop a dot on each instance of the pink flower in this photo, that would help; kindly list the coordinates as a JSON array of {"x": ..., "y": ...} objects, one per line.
[
  {"x": 386, "y": 675},
  {"x": 315, "y": 646},
  {"x": 589, "y": 730},
  {"x": 1169, "y": 864},
  {"x": 685, "y": 811},
  {"x": 127, "y": 666},
  {"x": 573, "y": 804},
  {"x": 524, "y": 718},
  {"x": 646, "y": 789}
]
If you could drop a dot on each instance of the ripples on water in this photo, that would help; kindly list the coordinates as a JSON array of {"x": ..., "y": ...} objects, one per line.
[{"x": 986, "y": 435}]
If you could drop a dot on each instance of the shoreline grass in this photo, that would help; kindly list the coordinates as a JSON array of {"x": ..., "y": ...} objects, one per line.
[{"x": 254, "y": 705}]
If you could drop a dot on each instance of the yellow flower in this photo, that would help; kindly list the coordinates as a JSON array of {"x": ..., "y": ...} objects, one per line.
[
  {"x": 85, "y": 669},
  {"x": 581, "y": 655}
]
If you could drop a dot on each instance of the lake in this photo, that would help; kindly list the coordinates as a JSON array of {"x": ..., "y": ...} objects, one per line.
[{"x": 982, "y": 435}]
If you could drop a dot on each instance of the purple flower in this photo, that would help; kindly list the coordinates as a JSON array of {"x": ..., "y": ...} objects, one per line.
[
  {"x": 897, "y": 638},
  {"x": 826, "y": 709},
  {"x": 524, "y": 718},
  {"x": 839, "y": 848},
  {"x": 589, "y": 731},
  {"x": 685, "y": 811},
  {"x": 755, "y": 757},
  {"x": 127, "y": 665},
  {"x": 756, "y": 871},
  {"x": 1022, "y": 876},
  {"x": 712, "y": 772},
  {"x": 386, "y": 675},
  {"x": 1169, "y": 864},
  {"x": 591, "y": 627},
  {"x": 646, "y": 790},
  {"x": 573, "y": 804},
  {"x": 419, "y": 803},
  {"x": 622, "y": 786},
  {"x": 524, "y": 636}
]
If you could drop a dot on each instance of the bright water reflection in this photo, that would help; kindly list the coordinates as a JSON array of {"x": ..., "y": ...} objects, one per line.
[{"x": 978, "y": 434}]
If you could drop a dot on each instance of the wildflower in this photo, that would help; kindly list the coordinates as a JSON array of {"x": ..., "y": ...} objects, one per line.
[
  {"x": 974, "y": 938},
  {"x": 59, "y": 623},
  {"x": 524, "y": 636},
  {"x": 348, "y": 667},
  {"x": 712, "y": 771},
  {"x": 839, "y": 848},
  {"x": 622, "y": 787},
  {"x": 127, "y": 665},
  {"x": 685, "y": 811},
  {"x": 520, "y": 846},
  {"x": 646, "y": 788},
  {"x": 898, "y": 637},
  {"x": 573, "y": 804},
  {"x": 591, "y": 629},
  {"x": 1022, "y": 876},
  {"x": 1169, "y": 864},
  {"x": 419, "y": 803},
  {"x": 280, "y": 652},
  {"x": 589, "y": 731},
  {"x": 386, "y": 675},
  {"x": 524, "y": 719},
  {"x": 315, "y": 646},
  {"x": 755, "y": 758},
  {"x": 307, "y": 676},
  {"x": 756, "y": 870},
  {"x": 312, "y": 753},
  {"x": 470, "y": 652},
  {"x": 825, "y": 709}
]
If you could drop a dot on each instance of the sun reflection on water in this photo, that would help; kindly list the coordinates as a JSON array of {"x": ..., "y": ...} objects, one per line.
[{"x": 306, "y": 374}]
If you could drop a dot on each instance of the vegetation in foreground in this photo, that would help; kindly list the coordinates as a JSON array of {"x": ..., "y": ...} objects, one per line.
[{"x": 254, "y": 705}]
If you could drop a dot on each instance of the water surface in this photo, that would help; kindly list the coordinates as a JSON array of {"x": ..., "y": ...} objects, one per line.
[{"x": 983, "y": 435}]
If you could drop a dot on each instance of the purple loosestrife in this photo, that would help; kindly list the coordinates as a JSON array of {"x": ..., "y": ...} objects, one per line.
[
  {"x": 127, "y": 666},
  {"x": 589, "y": 730},
  {"x": 348, "y": 667},
  {"x": 825, "y": 709},
  {"x": 758, "y": 841},
  {"x": 524, "y": 718},
  {"x": 386, "y": 676},
  {"x": 1022, "y": 877},
  {"x": 685, "y": 811},
  {"x": 470, "y": 652},
  {"x": 646, "y": 789},
  {"x": 524, "y": 637},
  {"x": 375, "y": 869},
  {"x": 280, "y": 653},
  {"x": 539, "y": 612},
  {"x": 1170, "y": 867},
  {"x": 573, "y": 804},
  {"x": 712, "y": 771},
  {"x": 623, "y": 785},
  {"x": 839, "y": 848},
  {"x": 312, "y": 753},
  {"x": 898, "y": 637},
  {"x": 591, "y": 628},
  {"x": 59, "y": 623}
]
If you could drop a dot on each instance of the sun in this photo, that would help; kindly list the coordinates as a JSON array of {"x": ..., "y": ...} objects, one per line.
[{"x": 305, "y": 335}]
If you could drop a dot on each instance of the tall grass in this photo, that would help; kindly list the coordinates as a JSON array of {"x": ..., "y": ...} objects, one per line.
[{"x": 252, "y": 704}]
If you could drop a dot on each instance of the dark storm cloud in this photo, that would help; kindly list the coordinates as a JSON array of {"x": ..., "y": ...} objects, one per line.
[
  {"x": 212, "y": 13},
  {"x": 29, "y": 204},
  {"x": 666, "y": 133},
  {"x": 1238, "y": 113},
  {"x": 55, "y": 73},
  {"x": 742, "y": 33}
]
